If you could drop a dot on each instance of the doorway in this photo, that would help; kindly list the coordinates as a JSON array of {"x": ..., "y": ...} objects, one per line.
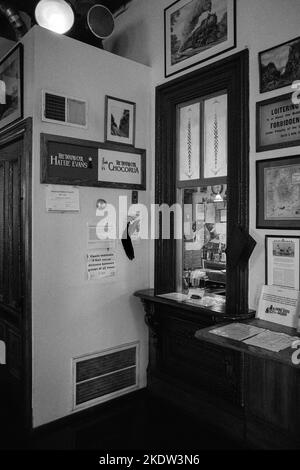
[{"x": 15, "y": 273}]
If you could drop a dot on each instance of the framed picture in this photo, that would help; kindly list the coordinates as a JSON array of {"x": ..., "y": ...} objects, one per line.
[
  {"x": 279, "y": 66},
  {"x": 278, "y": 193},
  {"x": 77, "y": 162},
  {"x": 11, "y": 87},
  {"x": 277, "y": 123},
  {"x": 197, "y": 30},
  {"x": 119, "y": 121},
  {"x": 283, "y": 261}
]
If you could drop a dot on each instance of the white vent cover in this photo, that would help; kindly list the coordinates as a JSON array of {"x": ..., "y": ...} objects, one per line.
[
  {"x": 65, "y": 110},
  {"x": 105, "y": 375}
]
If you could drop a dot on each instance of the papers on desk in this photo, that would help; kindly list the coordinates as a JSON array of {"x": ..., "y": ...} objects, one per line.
[
  {"x": 271, "y": 340},
  {"x": 237, "y": 331},
  {"x": 254, "y": 336}
]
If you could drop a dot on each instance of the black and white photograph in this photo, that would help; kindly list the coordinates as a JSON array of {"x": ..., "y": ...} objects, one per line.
[
  {"x": 149, "y": 231},
  {"x": 119, "y": 121},
  {"x": 196, "y": 30},
  {"x": 280, "y": 65},
  {"x": 11, "y": 87}
]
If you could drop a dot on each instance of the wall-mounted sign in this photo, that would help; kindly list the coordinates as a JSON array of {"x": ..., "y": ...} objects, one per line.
[
  {"x": 101, "y": 265},
  {"x": 277, "y": 123},
  {"x": 124, "y": 169},
  {"x": 69, "y": 161}
]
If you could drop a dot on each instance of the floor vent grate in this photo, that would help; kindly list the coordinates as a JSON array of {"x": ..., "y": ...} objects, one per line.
[{"x": 105, "y": 375}]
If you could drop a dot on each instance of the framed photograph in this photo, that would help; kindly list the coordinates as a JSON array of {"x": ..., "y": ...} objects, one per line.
[
  {"x": 119, "y": 121},
  {"x": 279, "y": 66},
  {"x": 283, "y": 261},
  {"x": 77, "y": 162},
  {"x": 197, "y": 30},
  {"x": 11, "y": 87},
  {"x": 278, "y": 193},
  {"x": 277, "y": 123}
]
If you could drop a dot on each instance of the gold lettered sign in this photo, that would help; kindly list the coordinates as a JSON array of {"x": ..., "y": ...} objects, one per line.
[
  {"x": 277, "y": 123},
  {"x": 77, "y": 162}
]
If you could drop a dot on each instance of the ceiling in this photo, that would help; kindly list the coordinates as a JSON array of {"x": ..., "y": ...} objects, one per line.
[{"x": 28, "y": 7}]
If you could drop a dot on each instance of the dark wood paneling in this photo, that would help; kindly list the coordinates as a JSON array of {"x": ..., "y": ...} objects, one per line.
[
  {"x": 15, "y": 283},
  {"x": 273, "y": 394}
]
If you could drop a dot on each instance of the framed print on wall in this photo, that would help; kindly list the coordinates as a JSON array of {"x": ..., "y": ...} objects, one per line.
[
  {"x": 279, "y": 66},
  {"x": 11, "y": 87},
  {"x": 277, "y": 123},
  {"x": 278, "y": 193},
  {"x": 197, "y": 30},
  {"x": 283, "y": 261},
  {"x": 119, "y": 121}
]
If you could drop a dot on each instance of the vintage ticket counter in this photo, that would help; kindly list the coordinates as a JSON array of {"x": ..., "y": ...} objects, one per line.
[{"x": 251, "y": 393}]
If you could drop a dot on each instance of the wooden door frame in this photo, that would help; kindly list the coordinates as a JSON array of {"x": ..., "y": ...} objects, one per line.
[
  {"x": 231, "y": 74},
  {"x": 23, "y": 130}
]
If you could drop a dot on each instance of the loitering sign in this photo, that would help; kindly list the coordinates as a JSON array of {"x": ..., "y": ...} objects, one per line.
[
  {"x": 278, "y": 123},
  {"x": 78, "y": 162}
]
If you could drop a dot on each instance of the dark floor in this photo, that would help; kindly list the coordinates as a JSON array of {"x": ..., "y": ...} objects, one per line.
[{"x": 134, "y": 422}]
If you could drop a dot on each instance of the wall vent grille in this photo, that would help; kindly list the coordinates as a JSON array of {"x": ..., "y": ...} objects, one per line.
[
  {"x": 65, "y": 110},
  {"x": 105, "y": 375}
]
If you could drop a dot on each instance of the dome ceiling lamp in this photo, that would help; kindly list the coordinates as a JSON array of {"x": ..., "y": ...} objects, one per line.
[{"x": 55, "y": 15}]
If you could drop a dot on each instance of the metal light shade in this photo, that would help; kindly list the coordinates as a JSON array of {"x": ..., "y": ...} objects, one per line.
[{"x": 56, "y": 15}]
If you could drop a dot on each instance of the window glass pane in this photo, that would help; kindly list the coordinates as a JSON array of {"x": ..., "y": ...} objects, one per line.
[
  {"x": 215, "y": 137},
  {"x": 203, "y": 261},
  {"x": 188, "y": 144}
]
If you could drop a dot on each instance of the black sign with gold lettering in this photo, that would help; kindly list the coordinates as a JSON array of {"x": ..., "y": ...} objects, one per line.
[{"x": 66, "y": 162}]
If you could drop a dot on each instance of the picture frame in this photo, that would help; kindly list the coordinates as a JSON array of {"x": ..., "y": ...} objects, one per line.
[
  {"x": 283, "y": 261},
  {"x": 11, "y": 87},
  {"x": 277, "y": 123},
  {"x": 277, "y": 193},
  {"x": 119, "y": 121},
  {"x": 187, "y": 44},
  {"x": 77, "y": 162},
  {"x": 277, "y": 67}
]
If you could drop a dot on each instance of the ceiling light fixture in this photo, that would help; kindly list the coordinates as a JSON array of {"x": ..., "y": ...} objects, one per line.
[{"x": 56, "y": 15}]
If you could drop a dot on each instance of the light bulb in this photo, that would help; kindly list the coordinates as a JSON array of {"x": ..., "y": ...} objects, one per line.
[{"x": 56, "y": 15}]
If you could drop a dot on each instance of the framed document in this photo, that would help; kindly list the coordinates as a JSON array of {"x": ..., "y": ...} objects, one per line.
[
  {"x": 283, "y": 261},
  {"x": 277, "y": 123},
  {"x": 278, "y": 193}
]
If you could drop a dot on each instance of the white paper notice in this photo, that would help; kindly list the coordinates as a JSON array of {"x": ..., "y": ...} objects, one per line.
[
  {"x": 279, "y": 305},
  {"x": 101, "y": 265},
  {"x": 62, "y": 199}
]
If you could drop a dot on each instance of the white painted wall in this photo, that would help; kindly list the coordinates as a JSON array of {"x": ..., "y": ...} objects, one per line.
[
  {"x": 139, "y": 35},
  {"x": 72, "y": 316}
]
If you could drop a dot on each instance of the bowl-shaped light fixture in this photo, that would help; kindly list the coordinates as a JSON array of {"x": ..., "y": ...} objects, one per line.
[{"x": 56, "y": 15}]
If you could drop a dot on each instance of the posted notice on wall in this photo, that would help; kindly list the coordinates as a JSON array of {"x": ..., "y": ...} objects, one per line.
[
  {"x": 62, "y": 198},
  {"x": 283, "y": 261},
  {"x": 100, "y": 265},
  {"x": 279, "y": 305}
]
